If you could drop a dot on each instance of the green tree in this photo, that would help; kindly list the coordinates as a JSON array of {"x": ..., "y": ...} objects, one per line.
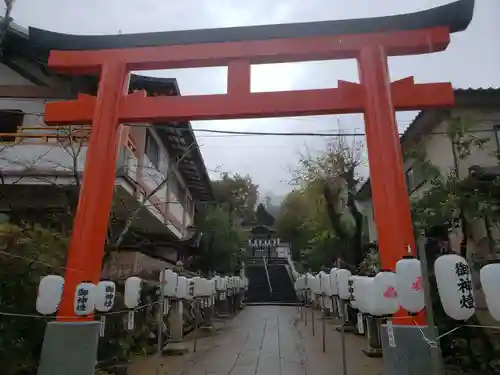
[
  {"x": 290, "y": 222},
  {"x": 303, "y": 222},
  {"x": 331, "y": 179},
  {"x": 222, "y": 241},
  {"x": 238, "y": 193}
]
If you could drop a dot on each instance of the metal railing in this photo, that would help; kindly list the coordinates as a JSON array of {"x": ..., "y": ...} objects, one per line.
[{"x": 267, "y": 274}]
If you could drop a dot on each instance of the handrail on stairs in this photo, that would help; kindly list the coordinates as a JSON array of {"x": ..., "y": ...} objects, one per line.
[{"x": 267, "y": 274}]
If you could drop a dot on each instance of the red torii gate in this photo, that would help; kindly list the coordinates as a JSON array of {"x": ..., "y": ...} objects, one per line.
[{"x": 375, "y": 96}]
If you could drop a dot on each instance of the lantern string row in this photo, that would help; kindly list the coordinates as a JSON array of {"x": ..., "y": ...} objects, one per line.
[
  {"x": 97, "y": 314},
  {"x": 124, "y": 311}
]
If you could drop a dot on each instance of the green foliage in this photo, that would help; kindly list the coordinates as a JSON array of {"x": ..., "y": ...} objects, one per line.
[
  {"x": 319, "y": 218},
  {"x": 223, "y": 237},
  {"x": 303, "y": 222},
  {"x": 237, "y": 193},
  {"x": 20, "y": 337},
  {"x": 222, "y": 241},
  {"x": 119, "y": 344},
  {"x": 370, "y": 264},
  {"x": 450, "y": 196}
]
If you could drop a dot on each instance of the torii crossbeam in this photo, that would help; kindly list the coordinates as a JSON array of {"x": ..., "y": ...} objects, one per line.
[{"x": 369, "y": 41}]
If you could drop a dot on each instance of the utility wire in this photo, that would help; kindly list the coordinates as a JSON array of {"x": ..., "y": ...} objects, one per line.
[{"x": 248, "y": 133}]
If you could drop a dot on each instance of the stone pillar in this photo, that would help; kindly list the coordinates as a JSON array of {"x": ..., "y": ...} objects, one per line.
[
  {"x": 176, "y": 323},
  {"x": 222, "y": 304},
  {"x": 374, "y": 348},
  {"x": 207, "y": 314},
  {"x": 327, "y": 307},
  {"x": 239, "y": 300}
]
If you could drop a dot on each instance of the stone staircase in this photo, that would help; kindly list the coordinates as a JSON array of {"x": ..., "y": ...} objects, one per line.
[{"x": 283, "y": 291}]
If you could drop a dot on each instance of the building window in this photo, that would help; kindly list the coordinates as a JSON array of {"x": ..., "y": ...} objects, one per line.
[
  {"x": 10, "y": 121},
  {"x": 152, "y": 149}
]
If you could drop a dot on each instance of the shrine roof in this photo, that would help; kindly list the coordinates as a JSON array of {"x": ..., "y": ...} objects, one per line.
[{"x": 456, "y": 16}]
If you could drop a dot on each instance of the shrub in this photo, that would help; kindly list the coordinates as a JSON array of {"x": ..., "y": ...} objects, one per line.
[{"x": 26, "y": 255}]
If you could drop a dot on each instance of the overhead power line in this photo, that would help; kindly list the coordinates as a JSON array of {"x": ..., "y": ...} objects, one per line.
[{"x": 232, "y": 133}]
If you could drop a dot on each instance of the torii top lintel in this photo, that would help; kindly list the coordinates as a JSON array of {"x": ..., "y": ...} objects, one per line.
[
  {"x": 422, "y": 32},
  {"x": 275, "y": 43}
]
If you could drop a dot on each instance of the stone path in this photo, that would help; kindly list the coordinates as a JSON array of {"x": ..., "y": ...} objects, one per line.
[{"x": 267, "y": 340}]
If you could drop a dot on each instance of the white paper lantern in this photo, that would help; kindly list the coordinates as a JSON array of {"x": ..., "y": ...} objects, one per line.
[
  {"x": 409, "y": 285},
  {"x": 326, "y": 285},
  {"x": 333, "y": 281},
  {"x": 210, "y": 287},
  {"x": 132, "y": 297},
  {"x": 309, "y": 279},
  {"x": 343, "y": 283},
  {"x": 105, "y": 296},
  {"x": 220, "y": 283},
  {"x": 214, "y": 285},
  {"x": 454, "y": 282},
  {"x": 384, "y": 295},
  {"x": 170, "y": 279},
  {"x": 352, "y": 291},
  {"x": 198, "y": 286},
  {"x": 84, "y": 299},
  {"x": 320, "y": 277},
  {"x": 49, "y": 295},
  {"x": 190, "y": 294},
  {"x": 182, "y": 288},
  {"x": 300, "y": 283},
  {"x": 362, "y": 294},
  {"x": 315, "y": 285},
  {"x": 206, "y": 287},
  {"x": 490, "y": 281}
]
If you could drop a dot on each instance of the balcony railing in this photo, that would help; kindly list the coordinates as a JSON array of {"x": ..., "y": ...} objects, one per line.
[{"x": 52, "y": 135}]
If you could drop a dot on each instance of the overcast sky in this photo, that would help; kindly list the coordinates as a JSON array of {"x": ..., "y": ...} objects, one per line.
[{"x": 472, "y": 60}]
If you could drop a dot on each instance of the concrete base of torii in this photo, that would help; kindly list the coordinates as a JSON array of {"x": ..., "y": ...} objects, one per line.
[{"x": 69, "y": 348}]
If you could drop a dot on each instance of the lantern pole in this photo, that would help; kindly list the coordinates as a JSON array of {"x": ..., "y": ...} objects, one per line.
[
  {"x": 161, "y": 313},
  {"x": 343, "y": 319},
  {"x": 436, "y": 358}
]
